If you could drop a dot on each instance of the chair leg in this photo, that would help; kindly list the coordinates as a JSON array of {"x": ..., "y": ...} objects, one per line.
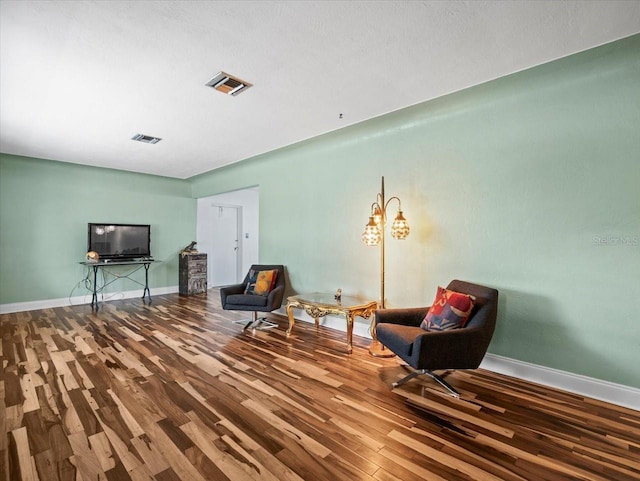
[
  {"x": 246, "y": 322},
  {"x": 433, "y": 376},
  {"x": 408, "y": 377},
  {"x": 257, "y": 323},
  {"x": 442, "y": 382},
  {"x": 262, "y": 324}
]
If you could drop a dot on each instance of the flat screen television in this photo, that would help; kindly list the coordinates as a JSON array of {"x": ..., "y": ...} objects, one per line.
[{"x": 119, "y": 241}]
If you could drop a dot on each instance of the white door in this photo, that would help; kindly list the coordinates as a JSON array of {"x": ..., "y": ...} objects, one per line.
[{"x": 225, "y": 256}]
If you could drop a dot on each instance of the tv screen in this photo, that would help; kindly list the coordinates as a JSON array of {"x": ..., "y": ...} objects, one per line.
[{"x": 119, "y": 241}]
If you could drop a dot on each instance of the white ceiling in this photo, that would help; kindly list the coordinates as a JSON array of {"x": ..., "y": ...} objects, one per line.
[{"x": 79, "y": 78}]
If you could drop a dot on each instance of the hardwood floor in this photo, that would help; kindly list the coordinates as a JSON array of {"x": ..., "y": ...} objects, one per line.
[{"x": 175, "y": 391}]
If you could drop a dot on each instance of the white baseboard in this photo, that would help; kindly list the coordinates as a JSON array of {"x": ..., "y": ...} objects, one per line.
[
  {"x": 79, "y": 300},
  {"x": 576, "y": 383}
]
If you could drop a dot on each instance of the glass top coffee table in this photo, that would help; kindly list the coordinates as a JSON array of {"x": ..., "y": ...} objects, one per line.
[{"x": 319, "y": 304}]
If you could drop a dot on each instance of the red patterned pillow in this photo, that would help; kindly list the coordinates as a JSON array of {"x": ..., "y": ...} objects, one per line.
[{"x": 450, "y": 310}]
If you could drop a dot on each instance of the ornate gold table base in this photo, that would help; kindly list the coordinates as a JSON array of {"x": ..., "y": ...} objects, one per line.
[{"x": 318, "y": 305}]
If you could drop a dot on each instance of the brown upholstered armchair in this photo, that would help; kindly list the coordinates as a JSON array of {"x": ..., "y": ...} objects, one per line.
[
  {"x": 399, "y": 330},
  {"x": 233, "y": 298}
]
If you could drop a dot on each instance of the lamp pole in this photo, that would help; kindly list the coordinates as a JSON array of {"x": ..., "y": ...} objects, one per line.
[
  {"x": 373, "y": 235},
  {"x": 383, "y": 227}
]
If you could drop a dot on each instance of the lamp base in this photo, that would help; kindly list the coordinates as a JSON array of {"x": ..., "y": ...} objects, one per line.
[{"x": 376, "y": 349}]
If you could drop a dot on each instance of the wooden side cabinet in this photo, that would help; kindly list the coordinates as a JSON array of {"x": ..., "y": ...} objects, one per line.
[{"x": 193, "y": 274}]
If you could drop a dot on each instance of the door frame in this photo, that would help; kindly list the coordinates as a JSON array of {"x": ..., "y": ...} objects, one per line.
[{"x": 249, "y": 200}]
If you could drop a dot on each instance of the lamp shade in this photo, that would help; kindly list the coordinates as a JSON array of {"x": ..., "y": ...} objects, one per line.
[
  {"x": 371, "y": 235},
  {"x": 378, "y": 215},
  {"x": 400, "y": 227}
]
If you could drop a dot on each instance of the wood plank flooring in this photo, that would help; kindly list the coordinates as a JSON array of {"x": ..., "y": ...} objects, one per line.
[{"x": 175, "y": 391}]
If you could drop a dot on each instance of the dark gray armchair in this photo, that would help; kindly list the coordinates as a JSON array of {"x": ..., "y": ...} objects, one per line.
[
  {"x": 233, "y": 298},
  {"x": 399, "y": 330}
]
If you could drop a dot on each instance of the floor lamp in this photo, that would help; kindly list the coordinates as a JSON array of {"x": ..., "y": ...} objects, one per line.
[{"x": 373, "y": 235}]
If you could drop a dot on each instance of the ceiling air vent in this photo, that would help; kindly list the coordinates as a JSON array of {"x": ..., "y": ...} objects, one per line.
[
  {"x": 147, "y": 139},
  {"x": 228, "y": 84}
]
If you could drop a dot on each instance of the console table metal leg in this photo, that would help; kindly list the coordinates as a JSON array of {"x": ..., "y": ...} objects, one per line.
[
  {"x": 146, "y": 291},
  {"x": 94, "y": 296}
]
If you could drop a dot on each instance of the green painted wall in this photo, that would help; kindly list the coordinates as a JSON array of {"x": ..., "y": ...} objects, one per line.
[
  {"x": 529, "y": 183},
  {"x": 44, "y": 210}
]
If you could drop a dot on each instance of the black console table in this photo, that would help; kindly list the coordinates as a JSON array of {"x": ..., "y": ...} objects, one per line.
[{"x": 138, "y": 264}]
